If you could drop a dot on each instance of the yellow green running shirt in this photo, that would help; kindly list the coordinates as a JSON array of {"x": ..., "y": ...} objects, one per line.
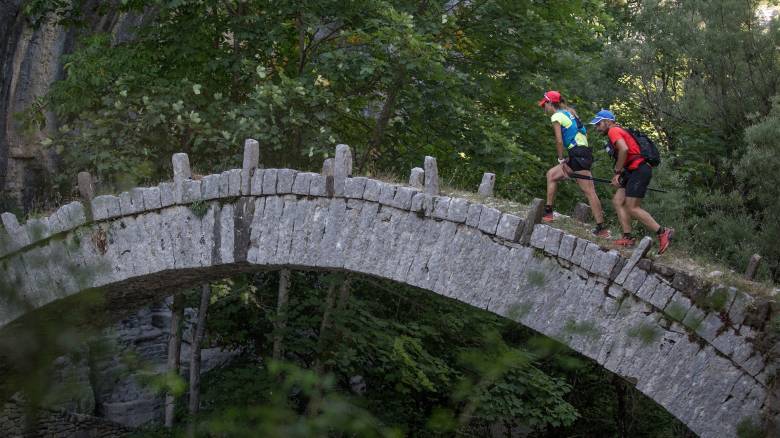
[{"x": 571, "y": 135}]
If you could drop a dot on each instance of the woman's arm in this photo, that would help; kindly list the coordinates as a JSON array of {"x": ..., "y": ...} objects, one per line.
[{"x": 558, "y": 139}]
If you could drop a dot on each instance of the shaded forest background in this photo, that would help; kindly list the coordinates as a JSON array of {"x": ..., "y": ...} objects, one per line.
[{"x": 458, "y": 80}]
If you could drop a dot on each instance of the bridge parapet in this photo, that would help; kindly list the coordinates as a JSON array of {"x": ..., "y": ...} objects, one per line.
[{"x": 230, "y": 218}]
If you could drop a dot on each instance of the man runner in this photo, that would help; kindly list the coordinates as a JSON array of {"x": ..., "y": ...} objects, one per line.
[{"x": 632, "y": 176}]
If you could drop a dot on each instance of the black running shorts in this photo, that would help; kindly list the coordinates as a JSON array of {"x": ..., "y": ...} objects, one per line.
[
  {"x": 636, "y": 181},
  {"x": 580, "y": 158}
]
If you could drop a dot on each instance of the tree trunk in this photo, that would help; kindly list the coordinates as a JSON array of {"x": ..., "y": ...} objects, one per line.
[
  {"x": 281, "y": 313},
  {"x": 197, "y": 339},
  {"x": 622, "y": 412},
  {"x": 174, "y": 353},
  {"x": 377, "y": 136},
  {"x": 322, "y": 341}
]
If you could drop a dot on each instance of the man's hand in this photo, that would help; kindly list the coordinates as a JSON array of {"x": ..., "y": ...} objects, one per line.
[{"x": 616, "y": 180}]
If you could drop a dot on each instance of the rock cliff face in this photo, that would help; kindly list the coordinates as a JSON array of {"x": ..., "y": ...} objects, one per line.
[{"x": 31, "y": 59}]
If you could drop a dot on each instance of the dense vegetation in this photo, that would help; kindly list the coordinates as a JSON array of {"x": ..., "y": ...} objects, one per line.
[{"x": 397, "y": 80}]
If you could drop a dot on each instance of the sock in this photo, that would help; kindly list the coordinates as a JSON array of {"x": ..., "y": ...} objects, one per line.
[
  {"x": 627, "y": 236},
  {"x": 548, "y": 209},
  {"x": 600, "y": 226},
  {"x": 660, "y": 230}
]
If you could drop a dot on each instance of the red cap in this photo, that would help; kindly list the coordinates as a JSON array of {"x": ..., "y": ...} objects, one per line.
[{"x": 550, "y": 96}]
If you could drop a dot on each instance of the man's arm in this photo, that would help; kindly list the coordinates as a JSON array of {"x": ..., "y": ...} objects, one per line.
[{"x": 622, "y": 153}]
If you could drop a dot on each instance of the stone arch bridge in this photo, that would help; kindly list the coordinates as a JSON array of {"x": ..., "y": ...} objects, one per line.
[{"x": 692, "y": 347}]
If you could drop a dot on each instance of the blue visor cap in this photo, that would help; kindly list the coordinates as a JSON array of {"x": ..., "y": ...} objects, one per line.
[{"x": 603, "y": 115}]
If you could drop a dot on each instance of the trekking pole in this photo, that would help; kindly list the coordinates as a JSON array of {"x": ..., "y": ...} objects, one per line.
[{"x": 603, "y": 180}]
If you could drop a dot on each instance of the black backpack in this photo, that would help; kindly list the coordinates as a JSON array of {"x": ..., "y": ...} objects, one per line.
[{"x": 646, "y": 146}]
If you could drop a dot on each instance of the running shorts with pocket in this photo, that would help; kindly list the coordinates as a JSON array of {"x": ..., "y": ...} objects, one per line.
[{"x": 580, "y": 158}]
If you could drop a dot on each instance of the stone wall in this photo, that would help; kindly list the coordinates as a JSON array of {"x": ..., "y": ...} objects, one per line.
[
  {"x": 55, "y": 424},
  {"x": 695, "y": 348},
  {"x": 31, "y": 59}
]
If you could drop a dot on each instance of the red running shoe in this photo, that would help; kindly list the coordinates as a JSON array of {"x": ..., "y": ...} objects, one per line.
[
  {"x": 626, "y": 242},
  {"x": 548, "y": 217},
  {"x": 603, "y": 233},
  {"x": 664, "y": 239}
]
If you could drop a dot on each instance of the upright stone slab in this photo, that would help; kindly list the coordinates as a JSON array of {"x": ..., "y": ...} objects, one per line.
[
  {"x": 486, "y": 186},
  {"x": 251, "y": 162},
  {"x": 417, "y": 178},
  {"x": 752, "y": 267},
  {"x": 581, "y": 212},
  {"x": 342, "y": 169},
  {"x": 181, "y": 171},
  {"x": 639, "y": 252},
  {"x": 431, "y": 176},
  {"x": 86, "y": 186},
  {"x": 534, "y": 216},
  {"x": 328, "y": 169}
]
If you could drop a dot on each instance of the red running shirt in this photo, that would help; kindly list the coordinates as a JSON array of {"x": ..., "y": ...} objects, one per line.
[{"x": 634, "y": 158}]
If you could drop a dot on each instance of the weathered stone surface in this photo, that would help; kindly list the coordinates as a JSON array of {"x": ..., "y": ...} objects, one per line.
[
  {"x": 107, "y": 207},
  {"x": 441, "y": 205},
  {"x": 317, "y": 185},
  {"x": 473, "y": 214},
  {"x": 166, "y": 195},
  {"x": 488, "y": 219},
  {"x": 534, "y": 216},
  {"x": 739, "y": 308},
  {"x": 191, "y": 191},
  {"x": 151, "y": 198},
  {"x": 372, "y": 189},
  {"x": 210, "y": 187},
  {"x": 386, "y": 193},
  {"x": 486, "y": 186},
  {"x": 639, "y": 252},
  {"x": 417, "y": 178},
  {"x": 581, "y": 213},
  {"x": 422, "y": 203},
  {"x": 568, "y": 242},
  {"x": 86, "y": 186},
  {"x": 354, "y": 187},
  {"x": 269, "y": 181},
  {"x": 342, "y": 168},
  {"x": 510, "y": 227},
  {"x": 709, "y": 327},
  {"x": 604, "y": 263},
  {"x": 458, "y": 210},
  {"x": 403, "y": 197},
  {"x": 552, "y": 241},
  {"x": 539, "y": 236},
  {"x": 181, "y": 167},
  {"x": 251, "y": 162},
  {"x": 284, "y": 181},
  {"x": 302, "y": 183},
  {"x": 431, "y": 176}
]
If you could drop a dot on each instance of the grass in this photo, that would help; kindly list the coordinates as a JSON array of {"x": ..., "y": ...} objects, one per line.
[{"x": 646, "y": 333}]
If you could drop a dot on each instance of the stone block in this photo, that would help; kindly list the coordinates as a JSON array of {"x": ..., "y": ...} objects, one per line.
[
  {"x": 634, "y": 280},
  {"x": 191, "y": 191},
  {"x": 579, "y": 251},
  {"x": 250, "y": 163},
  {"x": 210, "y": 187},
  {"x": 486, "y": 186},
  {"x": 181, "y": 167},
  {"x": 591, "y": 253},
  {"x": 72, "y": 215},
  {"x": 403, "y": 197},
  {"x": 581, "y": 212},
  {"x": 166, "y": 195},
  {"x": 473, "y": 214},
  {"x": 510, "y": 227},
  {"x": 422, "y": 203},
  {"x": 342, "y": 168},
  {"x": 441, "y": 205},
  {"x": 234, "y": 182},
  {"x": 86, "y": 186},
  {"x": 151, "y": 197},
  {"x": 694, "y": 318},
  {"x": 302, "y": 183},
  {"x": 726, "y": 341},
  {"x": 354, "y": 187},
  {"x": 458, "y": 210},
  {"x": 386, "y": 193},
  {"x": 636, "y": 255},
  {"x": 709, "y": 327},
  {"x": 539, "y": 236},
  {"x": 488, "y": 219},
  {"x": 417, "y": 178},
  {"x": 107, "y": 206},
  {"x": 739, "y": 307},
  {"x": 431, "y": 176},
  {"x": 661, "y": 295},
  {"x": 645, "y": 292},
  {"x": 269, "y": 181},
  {"x": 36, "y": 229},
  {"x": 371, "y": 192},
  {"x": 317, "y": 186},
  {"x": 553, "y": 241},
  {"x": 533, "y": 217},
  {"x": 604, "y": 263},
  {"x": 678, "y": 306},
  {"x": 131, "y": 202},
  {"x": 568, "y": 242},
  {"x": 285, "y": 179}
]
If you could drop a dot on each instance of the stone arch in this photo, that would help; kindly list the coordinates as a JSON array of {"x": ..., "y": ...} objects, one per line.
[{"x": 638, "y": 322}]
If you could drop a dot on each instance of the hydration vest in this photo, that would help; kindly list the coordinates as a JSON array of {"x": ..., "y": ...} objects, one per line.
[{"x": 569, "y": 134}]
